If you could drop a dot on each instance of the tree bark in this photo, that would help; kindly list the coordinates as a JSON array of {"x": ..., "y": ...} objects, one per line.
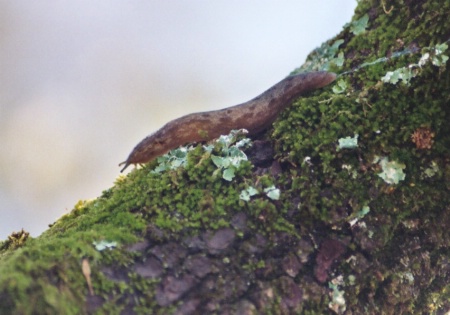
[{"x": 361, "y": 224}]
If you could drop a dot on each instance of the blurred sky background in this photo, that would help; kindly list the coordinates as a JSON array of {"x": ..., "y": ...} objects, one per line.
[{"x": 82, "y": 82}]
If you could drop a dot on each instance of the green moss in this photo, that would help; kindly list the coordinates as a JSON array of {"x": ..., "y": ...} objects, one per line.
[{"x": 385, "y": 117}]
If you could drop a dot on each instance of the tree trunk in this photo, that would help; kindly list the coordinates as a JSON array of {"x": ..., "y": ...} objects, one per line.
[{"x": 343, "y": 206}]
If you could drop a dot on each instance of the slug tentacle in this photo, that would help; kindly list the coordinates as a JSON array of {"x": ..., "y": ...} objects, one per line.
[{"x": 254, "y": 115}]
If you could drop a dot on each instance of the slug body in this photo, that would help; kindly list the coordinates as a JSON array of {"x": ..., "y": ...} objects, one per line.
[{"x": 254, "y": 115}]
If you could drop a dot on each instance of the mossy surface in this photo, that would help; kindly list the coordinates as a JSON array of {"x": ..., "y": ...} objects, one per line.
[{"x": 339, "y": 239}]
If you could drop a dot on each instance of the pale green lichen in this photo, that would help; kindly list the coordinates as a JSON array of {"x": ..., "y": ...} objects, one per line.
[
  {"x": 392, "y": 170},
  {"x": 102, "y": 245},
  {"x": 405, "y": 74},
  {"x": 337, "y": 303},
  {"x": 339, "y": 87},
  {"x": 438, "y": 59},
  {"x": 359, "y": 26},
  {"x": 363, "y": 212},
  {"x": 231, "y": 155},
  {"x": 228, "y": 161},
  {"x": 354, "y": 218},
  {"x": 271, "y": 192},
  {"x": 430, "y": 171},
  {"x": 247, "y": 193},
  {"x": 323, "y": 58},
  {"x": 348, "y": 142},
  {"x": 174, "y": 159}
]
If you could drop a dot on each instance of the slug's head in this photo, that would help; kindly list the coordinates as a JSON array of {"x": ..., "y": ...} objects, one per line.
[
  {"x": 126, "y": 165},
  {"x": 146, "y": 151}
]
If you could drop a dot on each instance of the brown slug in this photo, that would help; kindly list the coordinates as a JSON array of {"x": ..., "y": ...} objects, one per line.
[{"x": 254, "y": 115}]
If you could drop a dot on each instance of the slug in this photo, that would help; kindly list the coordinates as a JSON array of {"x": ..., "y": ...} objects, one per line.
[{"x": 255, "y": 115}]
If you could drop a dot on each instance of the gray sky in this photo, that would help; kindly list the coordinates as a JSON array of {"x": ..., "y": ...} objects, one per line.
[{"x": 81, "y": 82}]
